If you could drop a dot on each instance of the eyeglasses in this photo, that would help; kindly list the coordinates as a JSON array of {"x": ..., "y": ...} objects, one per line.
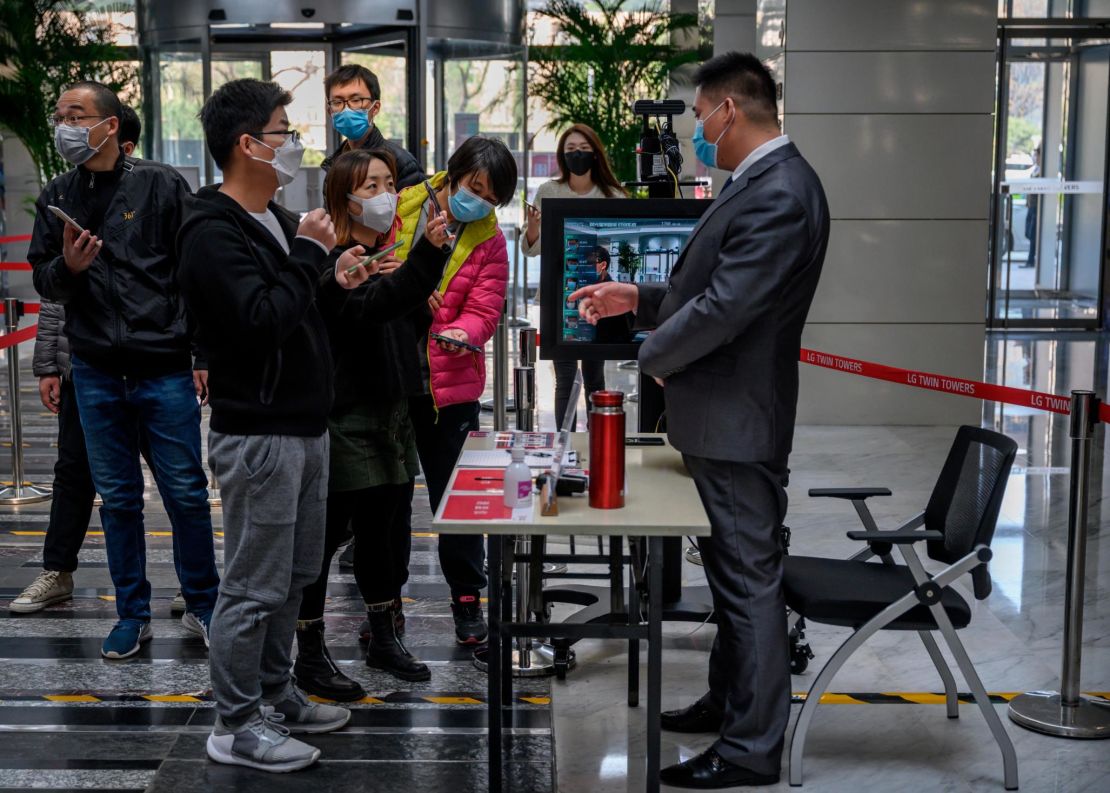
[
  {"x": 70, "y": 121},
  {"x": 355, "y": 103},
  {"x": 293, "y": 134}
]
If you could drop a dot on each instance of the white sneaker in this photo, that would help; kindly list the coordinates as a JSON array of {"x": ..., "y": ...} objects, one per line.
[
  {"x": 177, "y": 605},
  {"x": 52, "y": 586},
  {"x": 261, "y": 743},
  {"x": 195, "y": 624}
]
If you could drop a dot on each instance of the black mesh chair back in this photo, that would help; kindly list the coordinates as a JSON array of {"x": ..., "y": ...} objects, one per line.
[{"x": 967, "y": 497}]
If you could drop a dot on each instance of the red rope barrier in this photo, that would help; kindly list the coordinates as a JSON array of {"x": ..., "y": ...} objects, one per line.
[
  {"x": 23, "y": 334},
  {"x": 28, "y": 308},
  {"x": 1038, "y": 400},
  {"x": 16, "y": 266},
  {"x": 16, "y": 238}
]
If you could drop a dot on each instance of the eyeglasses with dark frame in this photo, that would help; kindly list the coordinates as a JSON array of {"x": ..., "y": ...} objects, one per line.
[
  {"x": 294, "y": 135},
  {"x": 355, "y": 103},
  {"x": 70, "y": 120}
]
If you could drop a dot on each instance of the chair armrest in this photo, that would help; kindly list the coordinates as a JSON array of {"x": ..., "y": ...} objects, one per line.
[
  {"x": 896, "y": 537},
  {"x": 850, "y": 493}
]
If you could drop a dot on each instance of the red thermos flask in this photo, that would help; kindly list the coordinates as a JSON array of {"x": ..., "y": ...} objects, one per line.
[{"x": 607, "y": 450}]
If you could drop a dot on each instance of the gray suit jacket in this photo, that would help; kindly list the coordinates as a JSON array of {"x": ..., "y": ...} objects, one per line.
[{"x": 728, "y": 325}]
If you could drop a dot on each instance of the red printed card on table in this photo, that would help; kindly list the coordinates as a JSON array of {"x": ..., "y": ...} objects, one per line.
[
  {"x": 476, "y": 508},
  {"x": 480, "y": 480}
]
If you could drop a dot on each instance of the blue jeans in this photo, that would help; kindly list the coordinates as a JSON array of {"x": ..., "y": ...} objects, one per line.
[{"x": 113, "y": 409}]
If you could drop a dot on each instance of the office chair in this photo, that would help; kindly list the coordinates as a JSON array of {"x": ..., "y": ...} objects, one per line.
[{"x": 959, "y": 524}]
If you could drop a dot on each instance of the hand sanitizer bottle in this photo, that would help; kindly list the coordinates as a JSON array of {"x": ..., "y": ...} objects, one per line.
[{"x": 518, "y": 481}]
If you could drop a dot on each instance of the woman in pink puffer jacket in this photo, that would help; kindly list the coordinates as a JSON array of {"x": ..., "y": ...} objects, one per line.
[{"x": 480, "y": 175}]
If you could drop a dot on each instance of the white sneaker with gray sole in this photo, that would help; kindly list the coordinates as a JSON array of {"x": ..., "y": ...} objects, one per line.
[
  {"x": 195, "y": 624},
  {"x": 51, "y": 586},
  {"x": 261, "y": 743}
]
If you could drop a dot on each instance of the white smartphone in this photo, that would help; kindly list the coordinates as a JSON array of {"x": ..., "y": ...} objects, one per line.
[{"x": 62, "y": 216}]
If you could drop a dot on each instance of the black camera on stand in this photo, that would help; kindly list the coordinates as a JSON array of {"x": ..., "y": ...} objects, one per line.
[{"x": 659, "y": 157}]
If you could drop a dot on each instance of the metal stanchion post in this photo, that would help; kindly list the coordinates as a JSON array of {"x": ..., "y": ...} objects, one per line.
[
  {"x": 524, "y": 382},
  {"x": 500, "y": 371},
  {"x": 517, "y": 321},
  {"x": 20, "y": 491},
  {"x": 1069, "y": 714}
]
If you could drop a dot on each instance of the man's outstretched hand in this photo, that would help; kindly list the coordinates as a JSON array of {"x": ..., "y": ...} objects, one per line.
[{"x": 609, "y": 299}]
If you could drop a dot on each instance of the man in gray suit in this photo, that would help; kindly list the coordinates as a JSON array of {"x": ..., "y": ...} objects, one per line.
[{"x": 728, "y": 330}]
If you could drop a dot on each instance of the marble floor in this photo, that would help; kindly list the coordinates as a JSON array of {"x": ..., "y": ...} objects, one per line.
[{"x": 70, "y": 721}]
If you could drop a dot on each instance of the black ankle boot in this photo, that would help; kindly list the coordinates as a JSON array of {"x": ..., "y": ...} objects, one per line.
[
  {"x": 316, "y": 672},
  {"x": 397, "y": 608},
  {"x": 386, "y": 652}
]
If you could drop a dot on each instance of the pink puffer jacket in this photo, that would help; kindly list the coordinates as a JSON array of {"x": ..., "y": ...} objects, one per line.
[{"x": 473, "y": 302}]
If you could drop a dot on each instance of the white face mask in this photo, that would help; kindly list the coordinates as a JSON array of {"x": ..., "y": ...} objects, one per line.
[
  {"x": 286, "y": 161},
  {"x": 377, "y": 212}
]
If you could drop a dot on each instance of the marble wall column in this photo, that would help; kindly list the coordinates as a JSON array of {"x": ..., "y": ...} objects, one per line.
[{"x": 892, "y": 102}]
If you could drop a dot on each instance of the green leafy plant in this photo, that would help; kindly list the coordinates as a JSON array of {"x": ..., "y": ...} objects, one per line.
[
  {"x": 628, "y": 260},
  {"x": 606, "y": 54},
  {"x": 46, "y": 45}
]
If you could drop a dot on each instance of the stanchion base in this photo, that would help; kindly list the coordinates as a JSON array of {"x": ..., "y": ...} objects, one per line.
[
  {"x": 510, "y": 406},
  {"x": 542, "y": 661},
  {"x": 1041, "y": 711},
  {"x": 27, "y": 494}
]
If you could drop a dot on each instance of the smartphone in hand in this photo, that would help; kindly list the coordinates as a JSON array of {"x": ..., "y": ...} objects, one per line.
[
  {"x": 445, "y": 247},
  {"x": 454, "y": 342},
  {"x": 62, "y": 216}
]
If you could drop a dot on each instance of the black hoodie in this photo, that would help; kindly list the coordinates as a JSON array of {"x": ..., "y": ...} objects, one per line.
[{"x": 269, "y": 362}]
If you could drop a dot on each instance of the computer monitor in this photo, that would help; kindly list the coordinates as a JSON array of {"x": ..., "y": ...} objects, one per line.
[{"x": 587, "y": 240}]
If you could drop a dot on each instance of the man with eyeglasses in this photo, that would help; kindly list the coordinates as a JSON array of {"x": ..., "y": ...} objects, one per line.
[
  {"x": 130, "y": 340},
  {"x": 354, "y": 100},
  {"x": 249, "y": 271}
]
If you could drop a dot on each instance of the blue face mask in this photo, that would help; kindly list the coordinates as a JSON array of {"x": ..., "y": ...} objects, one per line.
[
  {"x": 352, "y": 124},
  {"x": 705, "y": 151},
  {"x": 467, "y": 207}
]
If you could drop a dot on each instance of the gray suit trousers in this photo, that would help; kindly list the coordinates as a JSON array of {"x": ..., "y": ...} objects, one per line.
[{"x": 749, "y": 667}]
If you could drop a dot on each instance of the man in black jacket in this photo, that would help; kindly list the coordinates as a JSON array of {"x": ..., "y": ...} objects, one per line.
[
  {"x": 354, "y": 99},
  {"x": 130, "y": 341},
  {"x": 249, "y": 273}
]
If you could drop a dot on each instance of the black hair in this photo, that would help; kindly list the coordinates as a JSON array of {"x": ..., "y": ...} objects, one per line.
[
  {"x": 238, "y": 108},
  {"x": 130, "y": 128},
  {"x": 742, "y": 76},
  {"x": 348, "y": 73},
  {"x": 480, "y": 153},
  {"x": 602, "y": 254},
  {"x": 105, "y": 99}
]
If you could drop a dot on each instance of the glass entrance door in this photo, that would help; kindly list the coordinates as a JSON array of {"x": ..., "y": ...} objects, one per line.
[{"x": 1048, "y": 257}]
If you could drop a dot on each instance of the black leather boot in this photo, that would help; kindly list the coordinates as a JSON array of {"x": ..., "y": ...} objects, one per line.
[
  {"x": 316, "y": 672},
  {"x": 386, "y": 652},
  {"x": 398, "y": 616}
]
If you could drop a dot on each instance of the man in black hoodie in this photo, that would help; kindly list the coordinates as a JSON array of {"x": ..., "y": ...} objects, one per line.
[
  {"x": 130, "y": 340},
  {"x": 249, "y": 274}
]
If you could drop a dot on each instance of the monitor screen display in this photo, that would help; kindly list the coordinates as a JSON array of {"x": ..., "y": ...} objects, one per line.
[{"x": 589, "y": 241}]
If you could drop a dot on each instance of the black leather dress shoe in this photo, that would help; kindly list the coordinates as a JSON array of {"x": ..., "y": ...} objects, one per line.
[
  {"x": 698, "y": 717},
  {"x": 710, "y": 771}
]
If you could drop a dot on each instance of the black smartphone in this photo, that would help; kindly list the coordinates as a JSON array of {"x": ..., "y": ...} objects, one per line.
[
  {"x": 454, "y": 342},
  {"x": 634, "y": 440},
  {"x": 446, "y": 247}
]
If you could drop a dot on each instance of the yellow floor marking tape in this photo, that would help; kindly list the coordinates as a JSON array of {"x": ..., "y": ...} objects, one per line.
[
  {"x": 109, "y": 598},
  {"x": 171, "y": 698},
  {"x": 71, "y": 698},
  {"x": 536, "y": 700},
  {"x": 452, "y": 700},
  {"x": 29, "y": 533}
]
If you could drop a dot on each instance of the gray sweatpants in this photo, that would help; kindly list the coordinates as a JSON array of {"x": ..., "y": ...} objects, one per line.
[{"x": 274, "y": 490}]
